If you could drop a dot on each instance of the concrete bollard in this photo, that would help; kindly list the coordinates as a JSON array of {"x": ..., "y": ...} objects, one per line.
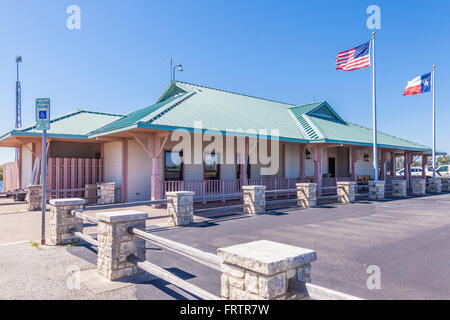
[
  {"x": 62, "y": 221},
  {"x": 445, "y": 185},
  {"x": 261, "y": 270},
  {"x": 306, "y": 194},
  {"x": 115, "y": 243},
  {"x": 254, "y": 199},
  {"x": 34, "y": 197},
  {"x": 106, "y": 193},
  {"x": 434, "y": 186},
  {"x": 346, "y": 191},
  {"x": 180, "y": 206},
  {"x": 399, "y": 188},
  {"x": 418, "y": 186},
  {"x": 376, "y": 190}
]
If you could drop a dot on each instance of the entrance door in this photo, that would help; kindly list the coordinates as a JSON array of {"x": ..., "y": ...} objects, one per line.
[{"x": 332, "y": 167}]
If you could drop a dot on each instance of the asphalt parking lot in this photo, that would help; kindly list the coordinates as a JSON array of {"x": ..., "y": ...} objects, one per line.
[{"x": 408, "y": 239}]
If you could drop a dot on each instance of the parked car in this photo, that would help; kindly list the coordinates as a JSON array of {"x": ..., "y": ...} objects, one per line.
[
  {"x": 415, "y": 171},
  {"x": 443, "y": 171}
]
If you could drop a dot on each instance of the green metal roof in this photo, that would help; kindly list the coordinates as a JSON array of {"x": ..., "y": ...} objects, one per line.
[
  {"x": 77, "y": 124},
  {"x": 182, "y": 104}
]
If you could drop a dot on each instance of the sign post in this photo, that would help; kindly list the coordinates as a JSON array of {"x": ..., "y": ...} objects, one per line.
[{"x": 43, "y": 123}]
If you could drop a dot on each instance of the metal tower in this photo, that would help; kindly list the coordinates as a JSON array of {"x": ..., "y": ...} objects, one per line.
[{"x": 18, "y": 102}]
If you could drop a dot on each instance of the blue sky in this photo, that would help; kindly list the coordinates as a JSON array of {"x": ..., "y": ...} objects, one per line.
[{"x": 283, "y": 50}]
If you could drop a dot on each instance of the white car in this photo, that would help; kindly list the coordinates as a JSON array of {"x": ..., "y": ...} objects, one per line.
[
  {"x": 443, "y": 171},
  {"x": 415, "y": 171}
]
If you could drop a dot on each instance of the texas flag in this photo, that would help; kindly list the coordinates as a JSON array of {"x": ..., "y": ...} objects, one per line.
[{"x": 418, "y": 85}]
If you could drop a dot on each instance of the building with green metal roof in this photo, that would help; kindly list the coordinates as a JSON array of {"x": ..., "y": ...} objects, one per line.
[{"x": 315, "y": 144}]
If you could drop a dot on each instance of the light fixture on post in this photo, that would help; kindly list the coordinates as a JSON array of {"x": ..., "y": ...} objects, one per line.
[
  {"x": 178, "y": 67},
  {"x": 366, "y": 157},
  {"x": 308, "y": 154}
]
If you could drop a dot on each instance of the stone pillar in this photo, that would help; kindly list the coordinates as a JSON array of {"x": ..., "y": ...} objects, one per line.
[
  {"x": 306, "y": 194},
  {"x": 34, "y": 197},
  {"x": 180, "y": 206},
  {"x": 399, "y": 188},
  {"x": 424, "y": 166},
  {"x": 346, "y": 191},
  {"x": 302, "y": 167},
  {"x": 355, "y": 156},
  {"x": 261, "y": 270},
  {"x": 376, "y": 190},
  {"x": 154, "y": 147},
  {"x": 106, "y": 193},
  {"x": 62, "y": 221},
  {"x": 418, "y": 186},
  {"x": 445, "y": 184},
  {"x": 254, "y": 199},
  {"x": 115, "y": 243},
  {"x": 318, "y": 157},
  {"x": 434, "y": 186}
]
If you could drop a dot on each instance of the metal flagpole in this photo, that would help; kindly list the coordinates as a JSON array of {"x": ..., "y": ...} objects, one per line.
[
  {"x": 434, "y": 122},
  {"x": 374, "y": 103}
]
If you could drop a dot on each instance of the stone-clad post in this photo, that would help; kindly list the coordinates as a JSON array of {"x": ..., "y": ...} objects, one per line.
[
  {"x": 306, "y": 194},
  {"x": 418, "y": 186},
  {"x": 254, "y": 199},
  {"x": 180, "y": 206},
  {"x": 106, "y": 193},
  {"x": 376, "y": 190},
  {"x": 34, "y": 197},
  {"x": 115, "y": 243},
  {"x": 261, "y": 270},
  {"x": 445, "y": 185},
  {"x": 346, "y": 191},
  {"x": 62, "y": 222},
  {"x": 434, "y": 186},
  {"x": 399, "y": 188}
]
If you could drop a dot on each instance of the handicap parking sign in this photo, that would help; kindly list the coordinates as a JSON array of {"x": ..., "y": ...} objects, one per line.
[{"x": 43, "y": 114}]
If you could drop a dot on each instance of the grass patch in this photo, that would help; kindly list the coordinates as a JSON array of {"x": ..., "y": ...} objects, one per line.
[{"x": 36, "y": 245}]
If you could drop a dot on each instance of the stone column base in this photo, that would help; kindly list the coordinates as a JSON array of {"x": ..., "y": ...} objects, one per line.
[
  {"x": 34, "y": 198},
  {"x": 399, "y": 188},
  {"x": 261, "y": 270},
  {"x": 346, "y": 191},
  {"x": 254, "y": 199},
  {"x": 418, "y": 186},
  {"x": 445, "y": 185},
  {"x": 62, "y": 222},
  {"x": 434, "y": 186},
  {"x": 180, "y": 206},
  {"x": 306, "y": 194},
  {"x": 376, "y": 190}
]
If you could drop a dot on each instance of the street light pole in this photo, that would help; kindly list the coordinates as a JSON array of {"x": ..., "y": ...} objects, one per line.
[{"x": 173, "y": 69}]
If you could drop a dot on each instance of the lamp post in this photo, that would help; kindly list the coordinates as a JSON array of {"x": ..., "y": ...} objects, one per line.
[{"x": 173, "y": 69}]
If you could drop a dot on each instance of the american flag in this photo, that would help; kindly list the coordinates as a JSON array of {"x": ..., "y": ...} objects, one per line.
[{"x": 354, "y": 59}]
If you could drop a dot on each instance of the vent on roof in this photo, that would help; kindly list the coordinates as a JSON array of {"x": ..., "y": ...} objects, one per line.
[
  {"x": 159, "y": 115},
  {"x": 308, "y": 129},
  {"x": 326, "y": 113}
]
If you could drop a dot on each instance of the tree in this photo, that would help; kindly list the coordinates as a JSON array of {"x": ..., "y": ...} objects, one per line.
[
  {"x": 1, "y": 172},
  {"x": 442, "y": 160}
]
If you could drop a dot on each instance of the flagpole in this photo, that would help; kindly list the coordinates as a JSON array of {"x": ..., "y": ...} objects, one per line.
[
  {"x": 434, "y": 122},
  {"x": 374, "y": 104}
]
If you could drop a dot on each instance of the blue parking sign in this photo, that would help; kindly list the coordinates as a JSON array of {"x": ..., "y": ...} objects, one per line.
[{"x": 43, "y": 114}]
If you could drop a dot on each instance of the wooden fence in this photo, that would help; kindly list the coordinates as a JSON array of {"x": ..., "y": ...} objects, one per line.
[
  {"x": 11, "y": 176},
  {"x": 68, "y": 177}
]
